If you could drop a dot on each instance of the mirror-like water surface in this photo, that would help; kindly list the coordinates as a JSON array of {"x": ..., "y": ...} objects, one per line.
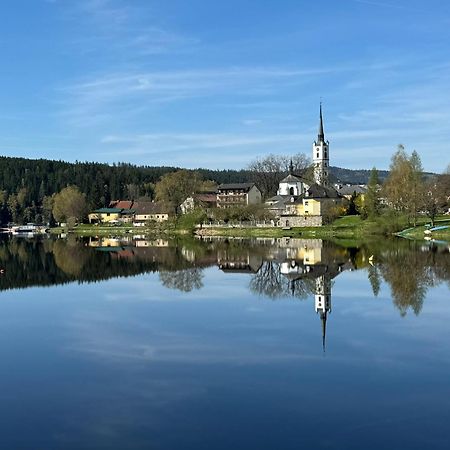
[{"x": 285, "y": 343}]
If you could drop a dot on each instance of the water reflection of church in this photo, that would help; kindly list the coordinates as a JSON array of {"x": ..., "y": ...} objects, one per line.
[
  {"x": 279, "y": 268},
  {"x": 309, "y": 261},
  {"x": 303, "y": 264}
]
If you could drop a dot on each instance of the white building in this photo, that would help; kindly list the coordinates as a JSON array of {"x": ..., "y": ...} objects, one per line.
[{"x": 291, "y": 185}]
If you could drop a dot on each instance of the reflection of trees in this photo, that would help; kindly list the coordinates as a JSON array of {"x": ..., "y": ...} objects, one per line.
[
  {"x": 270, "y": 282},
  {"x": 408, "y": 283},
  {"x": 374, "y": 278},
  {"x": 410, "y": 271},
  {"x": 184, "y": 280},
  {"x": 70, "y": 256}
]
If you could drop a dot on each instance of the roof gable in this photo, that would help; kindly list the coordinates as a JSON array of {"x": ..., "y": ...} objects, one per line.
[{"x": 236, "y": 186}]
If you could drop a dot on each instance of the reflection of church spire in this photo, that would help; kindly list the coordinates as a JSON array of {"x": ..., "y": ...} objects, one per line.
[
  {"x": 323, "y": 301},
  {"x": 323, "y": 318}
]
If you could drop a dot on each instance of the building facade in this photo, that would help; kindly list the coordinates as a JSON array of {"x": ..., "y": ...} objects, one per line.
[{"x": 238, "y": 194}]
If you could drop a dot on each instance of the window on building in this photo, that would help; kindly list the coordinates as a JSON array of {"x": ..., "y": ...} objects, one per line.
[{"x": 291, "y": 191}]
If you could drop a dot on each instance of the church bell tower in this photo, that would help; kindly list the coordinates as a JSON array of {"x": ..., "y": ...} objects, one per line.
[{"x": 321, "y": 156}]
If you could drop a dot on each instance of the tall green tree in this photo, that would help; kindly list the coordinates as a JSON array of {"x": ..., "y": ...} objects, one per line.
[
  {"x": 69, "y": 205},
  {"x": 404, "y": 188},
  {"x": 372, "y": 197},
  {"x": 416, "y": 199}
]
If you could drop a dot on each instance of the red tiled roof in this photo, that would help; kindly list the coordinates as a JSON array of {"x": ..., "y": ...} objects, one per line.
[{"x": 121, "y": 204}]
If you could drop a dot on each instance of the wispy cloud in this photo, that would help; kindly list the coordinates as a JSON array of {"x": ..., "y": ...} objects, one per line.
[
  {"x": 390, "y": 5},
  {"x": 143, "y": 89},
  {"x": 116, "y": 27}
]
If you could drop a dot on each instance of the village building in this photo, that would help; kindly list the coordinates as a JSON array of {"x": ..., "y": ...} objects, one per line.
[
  {"x": 205, "y": 200},
  {"x": 350, "y": 190},
  {"x": 111, "y": 215},
  {"x": 238, "y": 194},
  {"x": 291, "y": 185},
  {"x": 150, "y": 211},
  {"x": 129, "y": 211},
  {"x": 299, "y": 203}
]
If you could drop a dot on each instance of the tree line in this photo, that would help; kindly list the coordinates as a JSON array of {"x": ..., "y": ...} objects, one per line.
[{"x": 28, "y": 186}]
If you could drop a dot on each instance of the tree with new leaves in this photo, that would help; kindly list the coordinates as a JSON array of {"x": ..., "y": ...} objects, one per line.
[
  {"x": 404, "y": 188},
  {"x": 268, "y": 171},
  {"x": 173, "y": 188},
  {"x": 416, "y": 198},
  {"x": 372, "y": 196},
  {"x": 69, "y": 205}
]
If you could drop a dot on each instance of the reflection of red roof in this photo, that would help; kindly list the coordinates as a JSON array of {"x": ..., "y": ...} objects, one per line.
[{"x": 121, "y": 204}]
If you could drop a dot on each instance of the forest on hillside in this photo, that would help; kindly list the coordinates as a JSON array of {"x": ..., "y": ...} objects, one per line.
[{"x": 27, "y": 185}]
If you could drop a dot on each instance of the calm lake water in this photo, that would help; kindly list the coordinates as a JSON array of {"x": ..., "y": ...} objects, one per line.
[{"x": 269, "y": 344}]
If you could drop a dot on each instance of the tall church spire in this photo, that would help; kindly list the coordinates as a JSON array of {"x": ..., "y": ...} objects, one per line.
[
  {"x": 321, "y": 135},
  {"x": 321, "y": 156}
]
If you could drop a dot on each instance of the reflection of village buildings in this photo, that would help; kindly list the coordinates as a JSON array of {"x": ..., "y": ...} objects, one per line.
[
  {"x": 295, "y": 263},
  {"x": 243, "y": 262},
  {"x": 310, "y": 263},
  {"x": 296, "y": 260}
]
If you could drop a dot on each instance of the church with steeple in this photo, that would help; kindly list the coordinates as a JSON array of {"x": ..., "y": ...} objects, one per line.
[
  {"x": 321, "y": 156},
  {"x": 305, "y": 203}
]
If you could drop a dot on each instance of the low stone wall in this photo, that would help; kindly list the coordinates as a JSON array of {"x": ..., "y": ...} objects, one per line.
[
  {"x": 300, "y": 221},
  {"x": 252, "y": 224}
]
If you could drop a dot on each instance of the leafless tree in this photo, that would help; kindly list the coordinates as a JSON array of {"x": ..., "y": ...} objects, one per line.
[{"x": 268, "y": 171}]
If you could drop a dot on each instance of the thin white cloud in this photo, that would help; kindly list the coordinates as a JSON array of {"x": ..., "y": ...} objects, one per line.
[
  {"x": 88, "y": 99},
  {"x": 390, "y": 5},
  {"x": 115, "y": 27}
]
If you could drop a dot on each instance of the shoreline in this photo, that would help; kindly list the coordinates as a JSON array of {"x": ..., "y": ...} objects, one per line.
[{"x": 349, "y": 227}]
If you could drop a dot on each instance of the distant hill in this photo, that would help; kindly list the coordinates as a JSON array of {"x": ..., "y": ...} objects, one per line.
[
  {"x": 354, "y": 176},
  {"x": 359, "y": 176}
]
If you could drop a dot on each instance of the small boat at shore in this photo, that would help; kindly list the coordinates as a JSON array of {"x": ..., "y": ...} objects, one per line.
[{"x": 28, "y": 230}]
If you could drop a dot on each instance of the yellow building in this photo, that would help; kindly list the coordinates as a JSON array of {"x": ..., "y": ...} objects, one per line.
[{"x": 108, "y": 215}]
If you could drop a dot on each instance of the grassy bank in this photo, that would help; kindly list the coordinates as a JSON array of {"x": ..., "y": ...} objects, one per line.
[
  {"x": 419, "y": 232},
  {"x": 344, "y": 227},
  {"x": 348, "y": 227}
]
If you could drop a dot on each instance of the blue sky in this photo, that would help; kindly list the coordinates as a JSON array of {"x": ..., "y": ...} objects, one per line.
[{"x": 217, "y": 84}]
